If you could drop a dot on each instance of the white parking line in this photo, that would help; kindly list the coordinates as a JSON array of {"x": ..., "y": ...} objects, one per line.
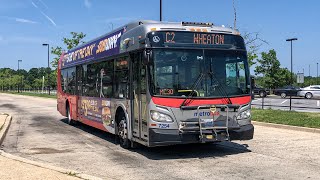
[
  {"x": 255, "y": 100},
  {"x": 284, "y": 101}
]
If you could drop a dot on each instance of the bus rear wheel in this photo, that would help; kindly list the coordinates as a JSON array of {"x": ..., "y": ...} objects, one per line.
[{"x": 123, "y": 133}]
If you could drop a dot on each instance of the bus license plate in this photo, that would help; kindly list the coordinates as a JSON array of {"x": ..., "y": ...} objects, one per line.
[{"x": 207, "y": 122}]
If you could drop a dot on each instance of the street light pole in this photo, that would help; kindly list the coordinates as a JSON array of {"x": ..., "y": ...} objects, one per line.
[
  {"x": 19, "y": 74},
  {"x": 48, "y": 69},
  {"x": 317, "y": 74},
  {"x": 160, "y": 10},
  {"x": 291, "y": 80}
]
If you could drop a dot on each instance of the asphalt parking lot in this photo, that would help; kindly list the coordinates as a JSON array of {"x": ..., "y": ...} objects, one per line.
[{"x": 297, "y": 103}]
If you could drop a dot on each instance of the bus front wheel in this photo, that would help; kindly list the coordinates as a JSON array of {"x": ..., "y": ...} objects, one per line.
[
  {"x": 70, "y": 120},
  {"x": 123, "y": 133}
]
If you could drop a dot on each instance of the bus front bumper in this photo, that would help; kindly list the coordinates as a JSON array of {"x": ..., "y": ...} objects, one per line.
[{"x": 161, "y": 137}]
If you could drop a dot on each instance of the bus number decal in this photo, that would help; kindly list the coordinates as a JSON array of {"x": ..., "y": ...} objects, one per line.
[
  {"x": 164, "y": 126},
  {"x": 166, "y": 91},
  {"x": 170, "y": 37}
]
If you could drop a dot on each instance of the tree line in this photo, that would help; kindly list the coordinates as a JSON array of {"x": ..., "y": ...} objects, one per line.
[
  {"x": 36, "y": 78},
  {"x": 268, "y": 71}
]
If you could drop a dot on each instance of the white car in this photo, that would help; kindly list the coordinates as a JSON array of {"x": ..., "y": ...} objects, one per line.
[{"x": 310, "y": 91}]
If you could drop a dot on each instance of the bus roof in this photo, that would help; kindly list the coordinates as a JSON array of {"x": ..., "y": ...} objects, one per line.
[
  {"x": 132, "y": 36},
  {"x": 162, "y": 25}
]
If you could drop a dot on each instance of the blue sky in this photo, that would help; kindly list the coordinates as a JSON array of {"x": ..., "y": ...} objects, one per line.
[{"x": 26, "y": 24}]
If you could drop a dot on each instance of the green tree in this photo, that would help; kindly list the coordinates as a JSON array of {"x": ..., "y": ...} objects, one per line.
[
  {"x": 253, "y": 43},
  {"x": 72, "y": 42},
  {"x": 273, "y": 75}
]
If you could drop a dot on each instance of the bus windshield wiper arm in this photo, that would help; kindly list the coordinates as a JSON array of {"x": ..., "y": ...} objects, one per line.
[
  {"x": 193, "y": 87},
  {"x": 221, "y": 89}
]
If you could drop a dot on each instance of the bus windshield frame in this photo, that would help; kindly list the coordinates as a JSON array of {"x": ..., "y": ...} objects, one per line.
[{"x": 222, "y": 73}]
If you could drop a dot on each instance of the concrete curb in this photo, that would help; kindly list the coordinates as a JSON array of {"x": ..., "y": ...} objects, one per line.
[
  {"x": 3, "y": 132},
  {"x": 50, "y": 167},
  {"x": 5, "y": 127},
  {"x": 282, "y": 126}
]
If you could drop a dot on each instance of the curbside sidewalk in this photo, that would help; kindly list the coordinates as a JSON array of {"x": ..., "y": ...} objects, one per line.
[
  {"x": 15, "y": 167},
  {"x": 283, "y": 126},
  {"x": 5, "y": 121}
]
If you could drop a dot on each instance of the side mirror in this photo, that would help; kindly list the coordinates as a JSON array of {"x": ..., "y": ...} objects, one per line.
[{"x": 147, "y": 57}]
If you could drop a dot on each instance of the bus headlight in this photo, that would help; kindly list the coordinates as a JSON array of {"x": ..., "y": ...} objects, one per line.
[
  {"x": 157, "y": 116},
  {"x": 244, "y": 114}
]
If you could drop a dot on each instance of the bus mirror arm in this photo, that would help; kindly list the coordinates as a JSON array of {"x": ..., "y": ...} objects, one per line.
[{"x": 147, "y": 57}]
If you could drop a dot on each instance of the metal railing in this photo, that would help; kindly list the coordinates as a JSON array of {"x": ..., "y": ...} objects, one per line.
[
  {"x": 297, "y": 103},
  {"x": 33, "y": 90}
]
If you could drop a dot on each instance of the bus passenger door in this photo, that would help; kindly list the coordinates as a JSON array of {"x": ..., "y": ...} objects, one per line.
[
  {"x": 139, "y": 105},
  {"x": 78, "y": 91}
]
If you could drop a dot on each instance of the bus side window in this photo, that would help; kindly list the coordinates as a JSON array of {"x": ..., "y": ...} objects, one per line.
[
  {"x": 121, "y": 77},
  {"x": 64, "y": 80},
  {"x": 106, "y": 72}
]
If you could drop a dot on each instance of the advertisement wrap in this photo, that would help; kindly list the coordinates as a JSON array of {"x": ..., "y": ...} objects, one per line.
[
  {"x": 98, "y": 110},
  {"x": 103, "y": 47}
]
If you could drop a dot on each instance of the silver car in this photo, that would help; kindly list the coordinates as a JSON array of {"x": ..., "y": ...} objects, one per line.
[{"x": 310, "y": 91}]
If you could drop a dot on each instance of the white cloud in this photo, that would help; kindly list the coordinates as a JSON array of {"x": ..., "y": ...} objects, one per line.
[
  {"x": 51, "y": 20},
  {"x": 33, "y": 4},
  {"x": 25, "y": 21},
  {"x": 87, "y": 4},
  {"x": 21, "y": 20}
]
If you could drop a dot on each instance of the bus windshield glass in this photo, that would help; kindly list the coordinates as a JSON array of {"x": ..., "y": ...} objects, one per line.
[{"x": 199, "y": 73}]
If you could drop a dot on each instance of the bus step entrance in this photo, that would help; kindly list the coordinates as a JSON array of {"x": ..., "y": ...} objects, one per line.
[{"x": 209, "y": 131}]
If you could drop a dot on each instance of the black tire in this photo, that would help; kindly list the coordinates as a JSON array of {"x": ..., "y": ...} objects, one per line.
[
  {"x": 262, "y": 94},
  {"x": 123, "y": 133},
  {"x": 283, "y": 95},
  {"x": 308, "y": 95},
  {"x": 70, "y": 120}
]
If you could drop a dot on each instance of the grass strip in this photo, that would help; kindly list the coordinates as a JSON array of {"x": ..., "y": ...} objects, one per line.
[
  {"x": 293, "y": 118},
  {"x": 53, "y": 96}
]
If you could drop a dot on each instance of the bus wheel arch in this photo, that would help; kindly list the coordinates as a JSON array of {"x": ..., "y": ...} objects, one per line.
[{"x": 121, "y": 128}]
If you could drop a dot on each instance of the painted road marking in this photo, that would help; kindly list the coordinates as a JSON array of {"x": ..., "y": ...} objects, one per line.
[
  {"x": 284, "y": 101},
  {"x": 318, "y": 103}
]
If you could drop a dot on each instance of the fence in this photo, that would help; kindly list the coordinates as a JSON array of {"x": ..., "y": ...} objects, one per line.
[
  {"x": 34, "y": 90},
  {"x": 289, "y": 103}
]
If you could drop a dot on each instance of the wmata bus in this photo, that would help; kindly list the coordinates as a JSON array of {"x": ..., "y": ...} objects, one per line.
[{"x": 160, "y": 83}]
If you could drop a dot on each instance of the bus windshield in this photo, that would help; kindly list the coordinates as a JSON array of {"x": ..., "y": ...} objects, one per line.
[{"x": 199, "y": 73}]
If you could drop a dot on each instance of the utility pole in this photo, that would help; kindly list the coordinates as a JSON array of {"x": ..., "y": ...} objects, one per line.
[
  {"x": 291, "y": 80},
  {"x": 48, "y": 82},
  {"x": 235, "y": 15},
  {"x": 317, "y": 73},
  {"x": 160, "y": 10},
  {"x": 18, "y": 75}
]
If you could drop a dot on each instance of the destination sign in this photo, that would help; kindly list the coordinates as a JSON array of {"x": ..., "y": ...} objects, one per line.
[{"x": 178, "y": 38}]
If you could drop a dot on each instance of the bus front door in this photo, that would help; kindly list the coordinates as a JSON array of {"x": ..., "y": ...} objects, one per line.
[{"x": 139, "y": 104}]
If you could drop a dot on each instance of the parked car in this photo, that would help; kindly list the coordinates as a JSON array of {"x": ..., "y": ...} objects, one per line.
[
  {"x": 310, "y": 91},
  {"x": 287, "y": 91},
  {"x": 262, "y": 92}
]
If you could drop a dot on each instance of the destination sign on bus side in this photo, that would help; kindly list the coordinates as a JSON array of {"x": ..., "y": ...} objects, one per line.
[
  {"x": 179, "y": 38},
  {"x": 105, "y": 46}
]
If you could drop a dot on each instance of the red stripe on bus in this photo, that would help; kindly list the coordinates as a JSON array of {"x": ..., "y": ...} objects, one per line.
[
  {"x": 176, "y": 102},
  {"x": 94, "y": 124}
]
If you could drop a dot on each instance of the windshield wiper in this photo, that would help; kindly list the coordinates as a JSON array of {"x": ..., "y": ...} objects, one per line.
[
  {"x": 221, "y": 90},
  {"x": 193, "y": 87}
]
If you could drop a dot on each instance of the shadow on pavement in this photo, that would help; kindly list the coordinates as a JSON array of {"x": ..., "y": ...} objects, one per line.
[{"x": 184, "y": 151}]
